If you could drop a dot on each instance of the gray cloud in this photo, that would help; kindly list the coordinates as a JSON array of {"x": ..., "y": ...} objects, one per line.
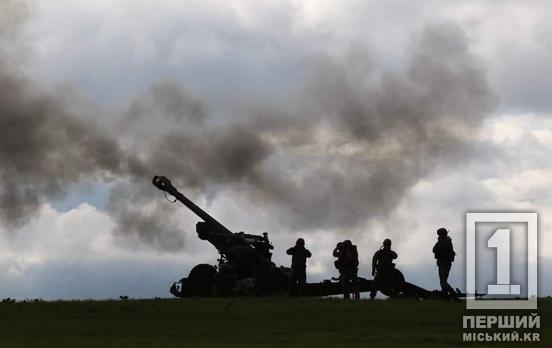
[
  {"x": 362, "y": 139},
  {"x": 390, "y": 129},
  {"x": 44, "y": 150},
  {"x": 344, "y": 153}
]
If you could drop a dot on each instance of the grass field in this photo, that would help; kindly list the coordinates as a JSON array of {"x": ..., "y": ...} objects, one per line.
[{"x": 241, "y": 322}]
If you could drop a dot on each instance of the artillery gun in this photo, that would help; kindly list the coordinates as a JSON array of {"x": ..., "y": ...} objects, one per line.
[{"x": 245, "y": 267}]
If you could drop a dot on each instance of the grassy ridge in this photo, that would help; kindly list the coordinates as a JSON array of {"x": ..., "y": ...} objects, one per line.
[{"x": 240, "y": 322}]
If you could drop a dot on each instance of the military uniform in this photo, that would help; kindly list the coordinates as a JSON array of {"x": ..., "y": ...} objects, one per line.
[
  {"x": 347, "y": 264},
  {"x": 383, "y": 266},
  {"x": 444, "y": 253},
  {"x": 298, "y": 276}
]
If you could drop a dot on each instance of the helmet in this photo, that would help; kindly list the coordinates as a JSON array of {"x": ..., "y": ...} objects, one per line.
[
  {"x": 300, "y": 241},
  {"x": 347, "y": 243},
  {"x": 442, "y": 232},
  {"x": 387, "y": 242}
]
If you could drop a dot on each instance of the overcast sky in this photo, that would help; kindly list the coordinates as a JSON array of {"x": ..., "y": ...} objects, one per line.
[{"x": 328, "y": 120}]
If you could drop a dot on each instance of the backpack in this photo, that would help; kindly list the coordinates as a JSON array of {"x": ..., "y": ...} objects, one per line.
[{"x": 350, "y": 259}]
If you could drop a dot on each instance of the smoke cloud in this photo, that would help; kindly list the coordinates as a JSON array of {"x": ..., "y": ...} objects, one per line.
[
  {"x": 357, "y": 141},
  {"x": 379, "y": 132}
]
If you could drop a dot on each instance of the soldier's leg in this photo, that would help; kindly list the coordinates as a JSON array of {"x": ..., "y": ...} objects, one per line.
[
  {"x": 444, "y": 271},
  {"x": 393, "y": 284},
  {"x": 451, "y": 291},
  {"x": 292, "y": 287},
  {"x": 301, "y": 281},
  {"x": 345, "y": 280},
  {"x": 356, "y": 290},
  {"x": 375, "y": 285},
  {"x": 442, "y": 278}
]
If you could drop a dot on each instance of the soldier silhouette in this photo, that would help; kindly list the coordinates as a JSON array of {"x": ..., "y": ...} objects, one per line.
[
  {"x": 347, "y": 264},
  {"x": 298, "y": 277},
  {"x": 383, "y": 268},
  {"x": 241, "y": 257},
  {"x": 444, "y": 254}
]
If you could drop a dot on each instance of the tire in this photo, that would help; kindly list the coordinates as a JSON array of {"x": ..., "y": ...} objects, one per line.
[
  {"x": 200, "y": 281},
  {"x": 393, "y": 289}
]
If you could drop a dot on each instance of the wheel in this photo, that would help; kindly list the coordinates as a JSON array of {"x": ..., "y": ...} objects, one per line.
[
  {"x": 200, "y": 281},
  {"x": 393, "y": 284}
]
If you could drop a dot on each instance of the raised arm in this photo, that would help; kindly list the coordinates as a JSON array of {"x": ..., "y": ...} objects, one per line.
[{"x": 374, "y": 262}]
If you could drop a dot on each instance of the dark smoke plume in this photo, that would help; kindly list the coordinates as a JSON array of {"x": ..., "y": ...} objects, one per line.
[
  {"x": 44, "y": 150},
  {"x": 362, "y": 138},
  {"x": 381, "y": 131}
]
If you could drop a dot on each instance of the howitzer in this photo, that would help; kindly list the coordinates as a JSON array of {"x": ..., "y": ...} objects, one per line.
[{"x": 245, "y": 266}]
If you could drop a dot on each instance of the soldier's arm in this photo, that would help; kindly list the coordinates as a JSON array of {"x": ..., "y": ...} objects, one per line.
[
  {"x": 393, "y": 255},
  {"x": 290, "y": 251},
  {"x": 446, "y": 248},
  {"x": 439, "y": 249},
  {"x": 452, "y": 249},
  {"x": 307, "y": 253},
  {"x": 374, "y": 262}
]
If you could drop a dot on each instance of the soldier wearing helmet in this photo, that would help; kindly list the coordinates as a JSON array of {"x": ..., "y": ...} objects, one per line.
[
  {"x": 347, "y": 264},
  {"x": 444, "y": 254},
  {"x": 383, "y": 268},
  {"x": 298, "y": 277}
]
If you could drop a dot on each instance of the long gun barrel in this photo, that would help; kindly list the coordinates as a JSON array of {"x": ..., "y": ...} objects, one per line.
[{"x": 164, "y": 184}]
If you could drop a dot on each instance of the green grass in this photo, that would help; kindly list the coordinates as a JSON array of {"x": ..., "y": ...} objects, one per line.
[{"x": 240, "y": 322}]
